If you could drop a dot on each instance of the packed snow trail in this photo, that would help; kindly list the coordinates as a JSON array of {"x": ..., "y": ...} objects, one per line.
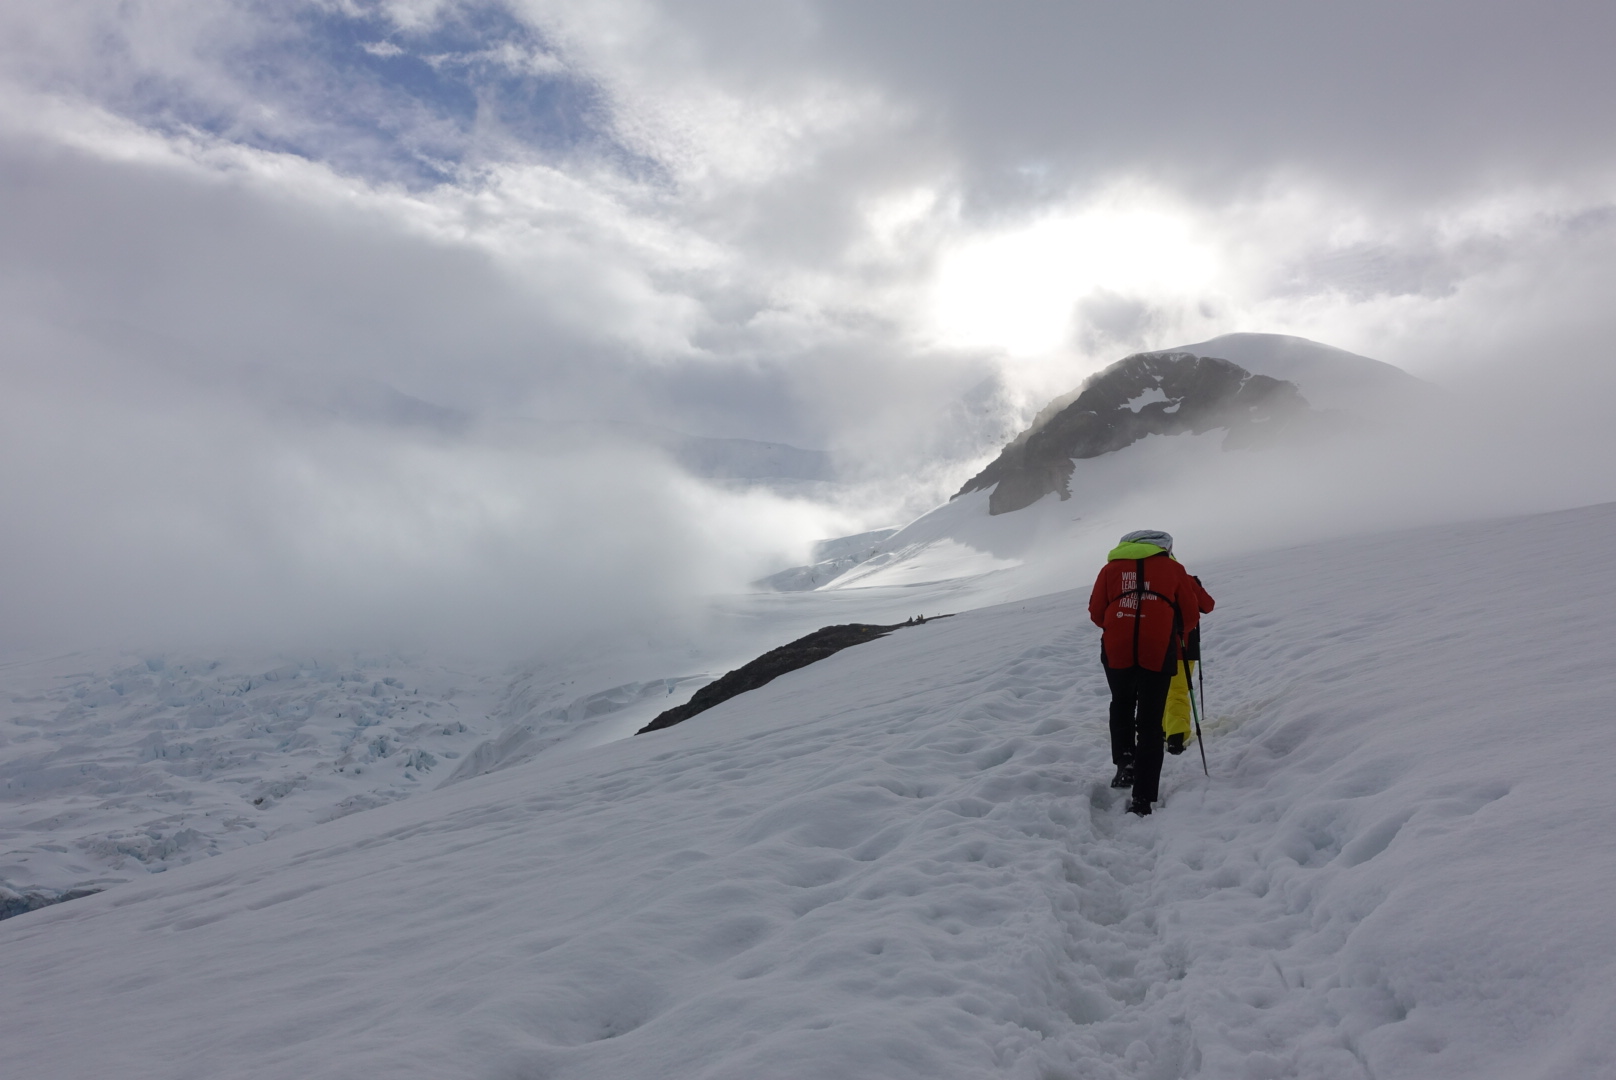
[{"x": 904, "y": 861}]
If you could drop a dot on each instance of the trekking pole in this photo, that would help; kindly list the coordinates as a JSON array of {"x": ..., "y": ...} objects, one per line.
[
  {"x": 1200, "y": 740},
  {"x": 1200, "y": 667}
]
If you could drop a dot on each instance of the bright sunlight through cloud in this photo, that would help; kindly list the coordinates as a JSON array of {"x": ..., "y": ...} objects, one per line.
[{"x": 1016, "y": 290}]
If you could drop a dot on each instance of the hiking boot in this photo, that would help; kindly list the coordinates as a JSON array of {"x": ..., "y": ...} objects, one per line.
[
  {"x": 1140, "y": 807},
  {"x": 1175, "y": 743},
  {"x": 1124, "y": 777}
]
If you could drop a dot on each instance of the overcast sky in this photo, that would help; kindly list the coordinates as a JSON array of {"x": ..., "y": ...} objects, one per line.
[{"x": 813, "y": 222}]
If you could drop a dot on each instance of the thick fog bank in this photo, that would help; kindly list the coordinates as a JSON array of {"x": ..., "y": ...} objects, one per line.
[{"x": 150, "y": 517}]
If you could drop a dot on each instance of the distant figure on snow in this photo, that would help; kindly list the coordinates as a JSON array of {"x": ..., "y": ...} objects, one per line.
[{"x": 1148, "y": 606}]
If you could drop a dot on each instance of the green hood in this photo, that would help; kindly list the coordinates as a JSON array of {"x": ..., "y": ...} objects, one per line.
[{"x": 1135, "y": 551}]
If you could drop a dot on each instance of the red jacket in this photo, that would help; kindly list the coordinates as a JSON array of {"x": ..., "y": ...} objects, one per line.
[{"x": 1149, "y": 634}]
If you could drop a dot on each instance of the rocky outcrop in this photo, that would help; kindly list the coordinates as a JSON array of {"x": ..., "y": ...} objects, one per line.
[
  {"x": 14, "y": 903},
  {"x": 823, "y": 642},
  {"x": 1145, "y": 394}
]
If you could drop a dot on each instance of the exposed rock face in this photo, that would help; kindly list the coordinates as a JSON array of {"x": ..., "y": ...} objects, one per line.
[
  {"x": 15, "y": 903},
  {"x": 1144, "y": 394},
  {"x": 825, "y": 641}
]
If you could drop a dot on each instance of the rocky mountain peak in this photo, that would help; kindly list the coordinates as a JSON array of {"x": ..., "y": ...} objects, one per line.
[{"x": 1153, "y": 393}]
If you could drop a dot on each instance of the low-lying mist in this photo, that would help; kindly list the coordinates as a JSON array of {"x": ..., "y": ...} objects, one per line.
[
  {"x": 146, "y": 516},
  {"x": 1496, "y": 445}
]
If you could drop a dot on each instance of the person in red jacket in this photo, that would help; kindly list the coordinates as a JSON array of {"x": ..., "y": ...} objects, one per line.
[{"x": 1147, "y": 605}]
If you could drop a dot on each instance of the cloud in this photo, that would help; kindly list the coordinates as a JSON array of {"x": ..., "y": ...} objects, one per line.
[
  {"x": 151, "y": 510},
  {"x": 889, "y": 231},
  {"x": 1383, "y": 94},
  {"x": 175, "y": 468}
]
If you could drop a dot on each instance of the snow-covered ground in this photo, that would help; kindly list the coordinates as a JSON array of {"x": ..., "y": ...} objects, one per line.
[
  {"x": 905, "y": 862},
  {"x": 118, "y": 765},
  {"x": 115, "y": 766}
]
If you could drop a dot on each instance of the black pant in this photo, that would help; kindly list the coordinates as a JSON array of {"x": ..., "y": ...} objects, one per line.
[{"x": 1138, "y": 699}]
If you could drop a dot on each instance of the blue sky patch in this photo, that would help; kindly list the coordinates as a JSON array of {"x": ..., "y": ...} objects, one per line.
[{"x": 354, "y": 90}]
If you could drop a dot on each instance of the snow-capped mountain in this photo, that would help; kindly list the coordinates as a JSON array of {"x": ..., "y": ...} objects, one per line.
[
  {"x": 1330, "y": 378},
  {"x": 1146, "y": 394},
  {"x": 1253, "y": 387},
  {"x": 1147, "y": 436}
]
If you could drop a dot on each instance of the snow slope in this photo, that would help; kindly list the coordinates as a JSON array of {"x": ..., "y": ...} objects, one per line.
[
  {"x": 115, "y": 766},
  {"x": 905, "y": 862},
  {"x": 1330, "y": 378},
  {"x": 1033, "y": 550}
]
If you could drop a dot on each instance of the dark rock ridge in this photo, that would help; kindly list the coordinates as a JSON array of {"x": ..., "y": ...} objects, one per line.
[
  {"x": 823, "y": 642},
  {"x": 1166, "y": 393},
  {"x": 15, "y": 903}
]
